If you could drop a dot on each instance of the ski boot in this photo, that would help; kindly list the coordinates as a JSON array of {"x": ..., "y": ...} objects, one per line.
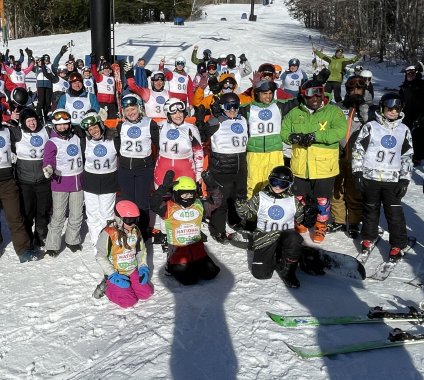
[
  {"x": 395, "y": 254},
  {"x": 334, "y": 227},
  {"x": 367, "y": 246},
  {"x": 320, "y": 230},
  {"x": 221, "y": 237},
  {"x": 287, "y": 273},
  {"x": 353, "y": 231}
]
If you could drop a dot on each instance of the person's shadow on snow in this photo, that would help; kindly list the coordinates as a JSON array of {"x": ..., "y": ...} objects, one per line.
[
  {"x": 321, "y": 296},
  {"x": 202, "y": 346}
]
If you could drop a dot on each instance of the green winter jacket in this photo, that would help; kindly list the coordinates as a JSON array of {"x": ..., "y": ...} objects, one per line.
[
  {"x": 320, "y": 160},
  {"x": 336, "y": 65},
  {"x": 271, "y": 143}
]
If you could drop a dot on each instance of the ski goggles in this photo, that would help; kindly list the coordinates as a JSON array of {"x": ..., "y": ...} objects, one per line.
[
  {"x": 212, "y": 67},
  {"x": 129, "y": 101},
  {"x": 356, "y": 82},
  {"x": 75, "y": 77},
  {"x": 228, "y": 86},
  {"x": 278, "y": 182},
  {"x": 175, "y": 107},
  {"x": 157, "y": 77},
  {"x": 90, "y": 121},
  {"x": 231, "y": 106},
  {"x": 129, "y": 221},
  {"x": 312, "y": 91},
  {"x": 265, "y": 74},
  {"x": 411, "y": 71},
  {"x": 393, "y": 104},
  {"x": 61, "y": 115},
  {"x": 179, "y": 63}
]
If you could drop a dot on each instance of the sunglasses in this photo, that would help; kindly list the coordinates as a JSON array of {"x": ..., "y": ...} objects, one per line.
[
  {"x": 230, "y": 106},
  {"x": 313, "y": 91},
  {"x": 174, "y": 108},
  {"x": 129, "y": 101},
  {"x": 90, "y": 121},
  {"x": 158, "y": 77},
  {"x": 179, "y": 63},
  {"x": 130, "y": 221},
  {"x": 61, "y": 116},
  {"x": 278, "y": 182}
]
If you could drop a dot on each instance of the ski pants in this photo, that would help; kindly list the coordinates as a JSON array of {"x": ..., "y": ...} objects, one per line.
[
  {"x": 259, "y": 166},
  {"x": 266, "y": 259},
  {"x": 335, "y": 87},
  {"x": 61, "y": 202},
  {"x": 375, "y": 194},
  {"x": 234, "y": 187},
  {"x": 130, "y": 296},
  {"x": 346, "y": 202},
  {"x": 36, "y": 206},
  {"x": 44, "y": 95},
  {"x": 9, "y": 197}
]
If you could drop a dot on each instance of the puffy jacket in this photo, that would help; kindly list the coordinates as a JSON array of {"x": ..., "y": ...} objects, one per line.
[
  {"x": 336, "y": 65},
  {"x": 320, "y": 160}
]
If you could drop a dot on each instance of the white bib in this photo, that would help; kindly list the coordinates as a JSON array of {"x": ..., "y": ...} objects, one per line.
[
  {"x": 5, "y": 149},
  {"x": 136, "y": 141},
  {"x": 275, "y": 214},
  {"x": 77, "y": 106},
  {"x": 175, "y": 142},
  {"x": 100, "y": 157},
  {"x": 264, "y": 121},
  {"x": 89, "y": 85},
  {"x": 62, "y": 85},
  {"x": 106, "y": 85},
  {"x": 154, "y": 106},
  {"x": 292, "y": 81},
  {"x": 31, "y": 146},
  {"x": 231, "y": 137},
  {"x": 68, "y": 157},
  {"x": 178, "y": 84}
]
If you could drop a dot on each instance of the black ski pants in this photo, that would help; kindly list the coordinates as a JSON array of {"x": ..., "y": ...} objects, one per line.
[
  {"x": 375, "y": 194},
  {"x": 266, "y": 259},
  {"x": 336, "y": 87},
  {"x": 44, "y": 95}
]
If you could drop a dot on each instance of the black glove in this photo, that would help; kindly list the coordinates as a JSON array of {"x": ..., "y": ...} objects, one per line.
[
  {"x": 92, "y": 57},
  {"x": 310, "y": 261},
  {"x": 63, "y": 49},
  {"x": 71, "y": 57},
  {"x": 200, "y": 115},
  {"x": 168, "y": 179},
  {"x": 296, "y": 138},
  {"x": 358, "y": 181},
  {"x": 243, "y": 58},
  {"x": 29, "y": 52},
  {"x": 21, "y": 52},
  {"x": 307, "y": 140},
  {"x": 216, "y": 108},
  {"x": 214, "y": 85},
  {"x": 310, "y": 212},
  {"x": 7, "y": 52},
  {"x": 401, "y": 188}
]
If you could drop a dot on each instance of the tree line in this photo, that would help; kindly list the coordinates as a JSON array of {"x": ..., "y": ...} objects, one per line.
[{"x": 387, "y": 29}]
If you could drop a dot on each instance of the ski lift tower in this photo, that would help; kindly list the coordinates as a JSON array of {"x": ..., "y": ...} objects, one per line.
[{"x": 102, "y": 23}]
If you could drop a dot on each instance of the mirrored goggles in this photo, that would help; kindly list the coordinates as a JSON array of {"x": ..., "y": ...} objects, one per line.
[
  {"x": 179, "y": 63},
  {"x": 61, "y": 115},
  {"x": 278, "y": 182},
  {"x": 231, "y": 105},
  {"x": 393, "y": 104},
  {"x": 129, "y": 101},
  {"x": 129, "y": 221},
  {"x": 157, "y": 77},
  {"x": 228, "y": 86},
  {"x": 313, "y": 91},
  {"x": 174, "y": 108},
  {"x": 89, "y": 121}
]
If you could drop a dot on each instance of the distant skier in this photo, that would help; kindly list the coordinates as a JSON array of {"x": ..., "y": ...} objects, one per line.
[{"x": 162, "y": 18}]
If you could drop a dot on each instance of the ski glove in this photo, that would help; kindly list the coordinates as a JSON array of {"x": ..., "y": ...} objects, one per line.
[
  {"x": 358, "y": 181},
  {"x": 63, "y": 49},
  {"x": 29, "y": 52},
  {"x": 128, "y": 67},
  {"x": 119, "y": 280},
  {"x": 48, "y": 171},
  {"x": 401, "y": 188},
  {"x": 21, "y": 52},
  {"x": 92, "y": 57},
  {"x": 296, "y": 138},
  {"x": 200, "y": 116},
  {"x": 168, "y": 179},
  {"x": 144, "y": 272},
  {"x": 307, "y": 140}
]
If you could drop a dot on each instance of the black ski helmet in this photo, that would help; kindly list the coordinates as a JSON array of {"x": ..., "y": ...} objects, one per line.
[
  {"x": 229, "y": 97},
  {"x": 391, "y": 100},
  {"x": 207, "y": 54},
  {"x": 25, "y": 114},
  {"x": 46, "y": 58},
  {"x": 283, "y": 177},
  {"x": 231, "y": 61},
  {"x": 19, "y": 96},
  {"x": 201, "y": 68}
]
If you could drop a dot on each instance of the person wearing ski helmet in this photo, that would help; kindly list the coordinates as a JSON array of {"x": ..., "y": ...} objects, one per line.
[
  {"x": 28, "y": 143},
  {"x": 277, "y": 75},
  {"x": 16, "y": 75},
  {"x": 122, "y": 256},
  {"x": 382, "y": 169},
  {"x": 180, "y": 147},
  {"x": 136, "y": 136},
  {"x": 79, "y": 64},
  {"x": 9, "y": 198},
  {"x": 100, "y": 179},
  {"x": 369, "y": 90},
  {"x": 239, "y": 71},
  {"x": 412, "y": 91},
  {"x": 293, "y": 78},
  {"x": 105, "y": 83},
  {"x": 63, "y": 164},
  {"x": 264, "y": 146},
  {"x": 276, "y": 244},
  {"x": 187, "y": 260},
  {"x": 314, "y": 129},
  {"x": 180, "y": 83},
  {"x": 89, "y": 83},
  {"x": 77, "y": 101},
  {"x": 228, "y": 134},
  {"x": 337, "y": 65},
  {"x": 346, "y": 202},
  {"x": 206, "y": 56},
  {"x": 154, "y": 98},
  {"x": 18, "y": 100}
]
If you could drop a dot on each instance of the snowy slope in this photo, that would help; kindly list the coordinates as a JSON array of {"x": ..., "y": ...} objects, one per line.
[{"x": 51, "y": 327}]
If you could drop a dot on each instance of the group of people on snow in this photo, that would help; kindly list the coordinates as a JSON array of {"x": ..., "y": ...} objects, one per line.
[{"x": 261, "y": 165}]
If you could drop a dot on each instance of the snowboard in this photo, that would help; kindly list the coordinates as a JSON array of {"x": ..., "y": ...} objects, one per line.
[{"x": 337, "y": 263}]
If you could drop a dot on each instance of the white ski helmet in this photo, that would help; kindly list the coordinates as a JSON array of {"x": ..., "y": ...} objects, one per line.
[
  {"x": 180, "y": 60},
  {"x": 366, "y": 74}
]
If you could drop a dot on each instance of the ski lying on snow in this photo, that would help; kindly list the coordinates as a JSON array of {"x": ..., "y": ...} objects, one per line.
[
  {"x": 375, "y": 315},
  {"x": 396, "y": 338}
]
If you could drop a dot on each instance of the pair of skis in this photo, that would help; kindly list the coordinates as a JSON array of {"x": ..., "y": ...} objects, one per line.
[
  {"x": 116, "y": 69},
  {"x": 377, "y": 314}
]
